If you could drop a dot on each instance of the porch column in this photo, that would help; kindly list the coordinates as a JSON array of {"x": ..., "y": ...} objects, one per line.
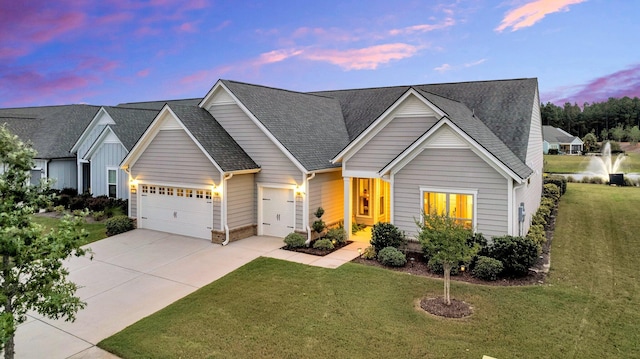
[{"x": 347, "y": 206}]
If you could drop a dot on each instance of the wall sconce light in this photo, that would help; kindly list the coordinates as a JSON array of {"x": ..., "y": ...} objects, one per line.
[
  {"x": 216, "y": 191},
  {"x": 134, "y": 188},
  {"x": 299, "y": 191}
]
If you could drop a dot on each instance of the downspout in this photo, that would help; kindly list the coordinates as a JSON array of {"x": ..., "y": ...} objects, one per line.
[
  {"x": 224, "y": 207},
  {"x": 305, "y": 204},
  {"x": 519, "y": 218}
]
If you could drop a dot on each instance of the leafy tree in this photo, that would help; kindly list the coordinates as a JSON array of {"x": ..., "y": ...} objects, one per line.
[
  {"x": 634, "y": 134},
  {"x": 446, "y": 241},
  {"x": 618, "y": 133},
  {"x": 32, "y": 276},
  {"x": 590, "y": 141}
]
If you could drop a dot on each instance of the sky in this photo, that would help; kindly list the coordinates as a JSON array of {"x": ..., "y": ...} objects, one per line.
[{"x": 113, "y": 51}]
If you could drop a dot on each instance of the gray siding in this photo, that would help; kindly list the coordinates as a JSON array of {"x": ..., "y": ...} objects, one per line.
[
  {"x": 217, "y": 214},
  {"x": 64, "y": 172},
  {"x": 91, "y": 138},
  {"x": 299, "y": 225},
  {"x": 326, "y": 190},
  {"x": 275, "y": 166},
  {"x": 241, "y": 206},
  {"x": 532, "y": 191},
  {"x": 397, "y": 135},
  {"x": 173, "y": 158},
  {"x": 133, "y": 205},
  {"x": 108, "y": 155},
  {"x": 451, "y": 168}
]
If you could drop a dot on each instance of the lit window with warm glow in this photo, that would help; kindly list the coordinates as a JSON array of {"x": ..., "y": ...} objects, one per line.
[{"x": 458, "y": 206}]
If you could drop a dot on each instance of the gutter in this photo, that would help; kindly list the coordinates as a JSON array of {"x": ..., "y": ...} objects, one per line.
[{"x": 224, "y": 207}]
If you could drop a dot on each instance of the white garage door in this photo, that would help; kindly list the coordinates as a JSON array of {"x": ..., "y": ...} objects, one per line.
[
  {"x": 180, "y": 210},
  {"x": 278, "y": 212}
]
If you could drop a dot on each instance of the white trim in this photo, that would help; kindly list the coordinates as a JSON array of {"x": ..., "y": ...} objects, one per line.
[
  {"x": 257, "y": 122},
  {"x": 361, "y": 174},
  {"x": 376, "y": 126},
  {"x": 116, "y": 169},
  {"x": 106, "y": 132},
  {"x": 511, "y": 197},
  {"x": 347, "y": 205},
  {"x": 450, "y": 190},
  {"x": 151, "y": 132},
  {"x": 261, "y": 187},
  {"x": 421, "y": 143},
  {"x": 97, "y": 118}
]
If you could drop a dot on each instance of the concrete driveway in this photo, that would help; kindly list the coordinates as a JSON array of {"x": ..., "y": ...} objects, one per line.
[{"x": 131, "y": 276}]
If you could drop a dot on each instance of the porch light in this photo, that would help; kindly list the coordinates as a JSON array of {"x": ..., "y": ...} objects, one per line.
[
  {"x": 462, "y": 269},
  {"x": 134, "y": 188},
  {"x": 299, "y": 191},
  {"x": 359, "y": 252},
  {"x": 215, "y": 190}
]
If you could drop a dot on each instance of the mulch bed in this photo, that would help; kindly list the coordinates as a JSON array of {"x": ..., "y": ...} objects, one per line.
[
  {"x": 437, "y": 306},
  {"x": 315, "y": 251}
]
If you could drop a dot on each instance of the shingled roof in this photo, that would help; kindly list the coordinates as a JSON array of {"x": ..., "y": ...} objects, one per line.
[
  {"x": 223, "y": 149},
  {"x": 51, "y": 130},
  {"x": 310, "y": 127},
  {"x": 130, "y": 123},
  {"x": 557, "y": 135},
  {"x": 158, "y": 105}
]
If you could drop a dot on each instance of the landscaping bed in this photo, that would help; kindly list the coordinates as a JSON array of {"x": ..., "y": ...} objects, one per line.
[{"x": 317, "y": 251}]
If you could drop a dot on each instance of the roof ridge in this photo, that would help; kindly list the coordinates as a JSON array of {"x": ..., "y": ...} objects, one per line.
[
  {"x": 277, "y": 88},
  {"x": 131, "y": 108},
  {"x": 179, "y": 99}
]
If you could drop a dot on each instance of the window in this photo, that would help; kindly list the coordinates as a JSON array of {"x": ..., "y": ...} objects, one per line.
[
  {"x": 188, "y": 193},
  {"x": 458, "y": 206},
  {"x": 169, "y": 191},
  {"x": 152, "y": 189},
  {"x": 180, "y": 192},
  {"x": 199, "y": 193},
  {"x": 112, "y": 182},
  {"x": 161, "y": 190},
  {"x": 207, "y": 194},
  {"x": 364, "y": 193},
  {"x": 145, "y": 188}
]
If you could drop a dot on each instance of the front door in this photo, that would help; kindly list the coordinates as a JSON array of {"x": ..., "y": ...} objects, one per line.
[{"x": 278, "y": 212}]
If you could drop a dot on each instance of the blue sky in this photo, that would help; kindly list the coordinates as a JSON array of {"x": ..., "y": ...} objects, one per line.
[{"x": 113, "y": 51}]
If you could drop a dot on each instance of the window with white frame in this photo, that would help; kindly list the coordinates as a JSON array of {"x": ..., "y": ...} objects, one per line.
[
  {"x": 459, "y": 205},
  {"x": 112, "y": 182}
]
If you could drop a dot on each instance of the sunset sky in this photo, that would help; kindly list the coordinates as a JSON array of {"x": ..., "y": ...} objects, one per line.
[{"x": 112, "y": 51}]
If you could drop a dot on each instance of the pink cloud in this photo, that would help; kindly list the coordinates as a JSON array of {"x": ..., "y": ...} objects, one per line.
[
  {"x": 275, "y": 56},
  {"x": 187, "y": 27},
  {"x": 222, "y": 25},
  {"x": 443, "y": 68},
  {"x": 143, "y": 73},
  {"x": 618, "y": 84},
  {"x": 423, "y": 28},
  {"x": 532, "y": 12},
  {"x": 368, "y": 58},
  {"x": 28, "y": 86}
]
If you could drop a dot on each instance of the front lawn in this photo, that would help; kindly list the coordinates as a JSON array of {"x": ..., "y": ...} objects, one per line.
[
  {"x": 97, "y": 230},
  {"x": 577, "y": 164},
  {"x": 588, "y": 308}
]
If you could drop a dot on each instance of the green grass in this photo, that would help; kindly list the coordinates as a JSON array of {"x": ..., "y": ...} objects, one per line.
[
  {"x": 588, "y": 308},
  {"x": 97, "y": 230},
  {"x": 577, "y": 164}
]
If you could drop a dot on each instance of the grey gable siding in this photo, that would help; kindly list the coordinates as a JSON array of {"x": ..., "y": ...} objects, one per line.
[
  {"x": 451, "y": 169},
  {"x": 275, "y": 166},
  {"x": 241, "y": 204},
  {"x": 326, "y": 190},
  {"x": 389, "y": 142},
  {"x": 65, "y": 173},
  {"x": 91, "y": 138},
  {"x": 173, "y": 158},
  {"x": 108, "y": 155}
]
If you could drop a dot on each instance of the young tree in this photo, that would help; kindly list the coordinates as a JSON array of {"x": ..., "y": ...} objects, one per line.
[
  {"x": 32, "y": 276},
  {"x": 634, "y": 134},
  {"x": 590, "y": 141},
  {"x": 618, "y": 133},
  {"x": 445, "y": 240}
]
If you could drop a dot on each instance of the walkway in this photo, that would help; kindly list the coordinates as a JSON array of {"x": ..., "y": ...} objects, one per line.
[{"x": 135, "y": 274}]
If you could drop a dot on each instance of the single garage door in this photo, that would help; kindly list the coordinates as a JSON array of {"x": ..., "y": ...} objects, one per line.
[
  {"x": 180, "y": 210},
  {"x": 278, "y": 212}
]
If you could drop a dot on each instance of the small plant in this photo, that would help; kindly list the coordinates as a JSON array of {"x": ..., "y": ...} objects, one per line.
[
  {"x": 517, "y": 254},
  {"x": 336, "y": 234},
  {"x": 319, "y": 225},
  {"x": 392, "y": 257},
  {"x": 487, "y": 268},
  {"x": 98, "y": 215},
  {"x": 386, "y": 235},
  {"x": 323, "y": 244},
  {"x": 59, "y": 209},
  {"x": 369, "y": 253},
  {"x": 356, "y": 227},
  {"x": 118, "y": 224},
  {"x": 294, "y": 240}
]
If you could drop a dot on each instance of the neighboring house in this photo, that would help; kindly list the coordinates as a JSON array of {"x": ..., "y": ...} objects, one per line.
[
  {"x": 561, "y": 141},
  {"x": 250, "y": 159},
  {"x": 51, "y": 130}
]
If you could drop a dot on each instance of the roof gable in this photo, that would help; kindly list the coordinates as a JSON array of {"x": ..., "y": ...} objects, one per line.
[
  {"x": 557, "y": 135},
  {"x": 106, "y": 136}
]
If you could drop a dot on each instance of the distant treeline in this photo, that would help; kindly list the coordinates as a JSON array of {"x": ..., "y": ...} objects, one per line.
[{"x": 614, "y": 119}]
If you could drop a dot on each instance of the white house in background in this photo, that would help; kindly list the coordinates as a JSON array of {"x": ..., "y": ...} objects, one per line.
[
  {"x": 249, "y": 159},
  {"x": 560, "y": 140}
]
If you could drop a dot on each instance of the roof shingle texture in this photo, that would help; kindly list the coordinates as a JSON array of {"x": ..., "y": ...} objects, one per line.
[{"x": 130, "y": 123}]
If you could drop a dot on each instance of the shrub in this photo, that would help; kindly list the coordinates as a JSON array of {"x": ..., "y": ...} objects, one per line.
[
  {"x": 487, "y": 268},
  {"x": 559, "y": 181},
  {"x": 336, "y": 234},
  {"x": 548, "y": 202},
  {"x": 386, "y": 235},
  {"x": 68, "y": 191},
  {"x": 318, "y": 225},
  {"x": 98, "y": 203},
  {"x": 59, "y": 209},
  {"x": 392, "y": 257},
  {"x": 477, "y": 238},
  {"x": 517, "y": 254},
  {"x": 436, "y": 267},
  {"x": 98, "y": 215},
  {"x": 118, "y": 224},
  {"x": 79, "y": 202},
  {"x": 537, "y": 234},
  {"x": 369, "y": 253},
  {"x": 323, "y": 244},
  {"x": 294, "y": 240},
  {"x": 570, "y": 179},
  {"x": 552, "y": 191}
]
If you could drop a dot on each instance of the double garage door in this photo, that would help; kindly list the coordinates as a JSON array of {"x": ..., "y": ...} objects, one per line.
[{"x": 180, "y": 210}]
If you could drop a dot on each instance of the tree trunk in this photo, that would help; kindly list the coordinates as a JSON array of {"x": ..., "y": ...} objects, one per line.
[
  {"x": 447, "y": 281},
  {"x": 9, "y": 347}
]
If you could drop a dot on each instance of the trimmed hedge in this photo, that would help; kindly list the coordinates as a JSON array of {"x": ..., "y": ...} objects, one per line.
[
  {"x": 392, "y": 257},
  {"x": 517, "y": 254},
  {"x": 118, "y": 224},
  {"x": 294, "y": 240},
  {"x": 386, "y": 235},
  {"x": 323, "y": 244},
  {"x": 336, "y": 234},
  {"x": 487, "y": 268}
]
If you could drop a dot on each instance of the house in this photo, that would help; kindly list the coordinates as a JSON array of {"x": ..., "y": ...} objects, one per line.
[
  {"x": 250, "y": 159},
  {"x": 51, "y": 130},
  {"x": 559, "y": 141}
]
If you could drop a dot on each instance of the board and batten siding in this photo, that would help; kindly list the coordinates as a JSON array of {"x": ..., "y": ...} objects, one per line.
[
  {"x": 532, "y": 191},
  {"x": 451, "y": 169},
  {"x": 64, "y": 172},
  {"x": 91, "y": 138},
  {"x": 397, "y": 135},
  {"x": 326, "y": 190},
  {"x": 241, "y": 201},
  {"x": 275, "y": 167},
  {"x": 173, "y": 158},
  {"x": 108, "y": 155}
]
